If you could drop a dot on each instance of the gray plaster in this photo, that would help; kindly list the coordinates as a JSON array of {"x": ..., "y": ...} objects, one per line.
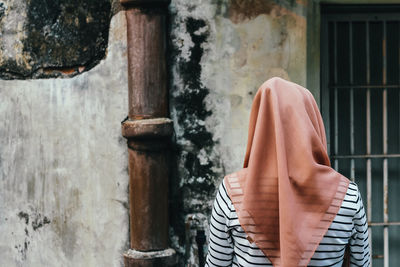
[{"x": 63, "y": 170}]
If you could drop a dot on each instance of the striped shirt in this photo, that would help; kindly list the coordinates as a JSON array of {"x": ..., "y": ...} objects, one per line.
[{"x": 228, "y": 245}]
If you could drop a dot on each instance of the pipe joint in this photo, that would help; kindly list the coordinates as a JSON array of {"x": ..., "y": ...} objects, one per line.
[
  {"x": 166, "y": 257},
  {"x": 147, "y": 129}
]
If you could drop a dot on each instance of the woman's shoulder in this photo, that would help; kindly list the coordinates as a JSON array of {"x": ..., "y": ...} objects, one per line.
[
  {"x": 353, "y": 193},
  {"x": 223, "y": 195},
  {"x": 222, "y": 191},
  {"x": 352, "y": 200}
]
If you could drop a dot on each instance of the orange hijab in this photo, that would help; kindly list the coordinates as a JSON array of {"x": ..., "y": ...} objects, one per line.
[{"x": 287, "y": 195}]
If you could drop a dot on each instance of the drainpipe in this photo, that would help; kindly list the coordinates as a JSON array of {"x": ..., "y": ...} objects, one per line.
[{"x": 148, "y": 131}]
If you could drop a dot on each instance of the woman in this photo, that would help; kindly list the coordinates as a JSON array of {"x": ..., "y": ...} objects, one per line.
[{"x": 287, "y": 207}]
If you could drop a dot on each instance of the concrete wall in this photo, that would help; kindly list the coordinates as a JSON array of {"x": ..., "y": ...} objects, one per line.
[
  {"x": 63, "y": 165},
  {"x": 63, "y": 162}
]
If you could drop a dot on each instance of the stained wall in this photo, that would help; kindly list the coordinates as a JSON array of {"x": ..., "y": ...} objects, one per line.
[
  {"x": 63, "y": 165},
  {"x": 221, "y": 52},
  {"x": 63, "y": 161}
]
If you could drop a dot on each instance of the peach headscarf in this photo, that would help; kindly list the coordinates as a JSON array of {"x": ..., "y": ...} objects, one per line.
[{"x": 287, "y": 195}]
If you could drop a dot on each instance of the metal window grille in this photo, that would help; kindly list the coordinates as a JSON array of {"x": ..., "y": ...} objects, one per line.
[{"x": 360, "y": 102}]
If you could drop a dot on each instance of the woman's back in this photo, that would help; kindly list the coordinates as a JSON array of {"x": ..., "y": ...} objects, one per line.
[
  {"x": 229, "y": 245},
  {"x": 287, "y": 199}
]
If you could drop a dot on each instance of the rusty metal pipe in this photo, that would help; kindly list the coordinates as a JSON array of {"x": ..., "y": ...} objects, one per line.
[
  {"x": 146, "y": 62},
  {"x": 148, "y": 130}
]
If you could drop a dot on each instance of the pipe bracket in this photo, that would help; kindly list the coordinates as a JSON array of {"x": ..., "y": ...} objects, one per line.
[
  {"x": 166, "y": 257},
  {"x": 147, "y": 128}
]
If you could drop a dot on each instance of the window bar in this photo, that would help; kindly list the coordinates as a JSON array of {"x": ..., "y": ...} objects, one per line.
[
  {"x": 336, "y": 148},
  {"x": 364, "y": 86},
  {"x": 385, "y": 160},
  {"x": 385, "y": 224},
  {"x": 352, "y": 165},
  {"x": 369, "y": 202},
  {"x": 385, "y": 184},
  {"x": 367, "y": 156}
]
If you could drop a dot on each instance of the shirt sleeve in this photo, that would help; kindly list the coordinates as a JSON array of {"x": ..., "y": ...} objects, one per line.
[
  {"x": 220, "y": 249},
  {"x": 359, "y": 241}
]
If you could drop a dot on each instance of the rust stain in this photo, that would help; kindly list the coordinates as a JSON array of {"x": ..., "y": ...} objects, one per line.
[
  {"x": 385, "y": 203},
  {"x": 240, "y": 10},
  {"x": 64, "y": 70},
  {"x": 67, "y": 70},
  {"x": 301, "y": 2}
]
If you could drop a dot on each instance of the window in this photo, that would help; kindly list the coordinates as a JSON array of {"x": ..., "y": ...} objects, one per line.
[{"x": 360, "y": 102}]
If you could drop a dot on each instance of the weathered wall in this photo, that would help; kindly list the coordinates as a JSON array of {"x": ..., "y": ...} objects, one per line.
[
  {"x": 63, "y": 162},
  {"x": 222, "y": 51},
  {"x": 63, "y": 165},
  {"x": 52, "y": 38}
]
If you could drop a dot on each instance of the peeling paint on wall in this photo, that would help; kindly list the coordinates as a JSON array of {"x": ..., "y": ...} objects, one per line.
[
  {"x": 58, "y": 38},
  {"x": 241, "y": 10}
]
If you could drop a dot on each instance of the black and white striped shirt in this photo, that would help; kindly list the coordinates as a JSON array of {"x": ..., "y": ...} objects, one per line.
[{"x": 228, "y": 245}]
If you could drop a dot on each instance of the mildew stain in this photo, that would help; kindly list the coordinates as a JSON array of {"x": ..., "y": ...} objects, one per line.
[
  {"x": 34, "y": 221},
  {"x": 192, "y": 111},
  {"x": 193, "y": 178},
  {"x": 37, "y": 220},
  {"x": 24, "y": 215}
]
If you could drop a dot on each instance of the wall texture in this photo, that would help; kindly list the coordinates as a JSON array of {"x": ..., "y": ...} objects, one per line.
[
  {"x": 42, "y": 38},
  {"x": 221, "y": 52},
  {"x": 63, "y": 161},
  {"x": 63, "y": 165}
]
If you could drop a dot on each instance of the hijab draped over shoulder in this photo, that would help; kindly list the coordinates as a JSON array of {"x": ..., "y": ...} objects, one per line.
[{"x": 287, "y": 195}]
